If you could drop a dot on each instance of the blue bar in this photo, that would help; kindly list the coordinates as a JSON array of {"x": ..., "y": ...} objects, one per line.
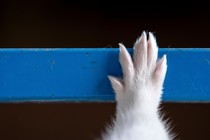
[{"x": 81, "y": 75}]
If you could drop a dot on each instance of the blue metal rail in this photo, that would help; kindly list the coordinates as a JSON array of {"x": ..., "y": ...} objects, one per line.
[{"x": 81, "y": 74}]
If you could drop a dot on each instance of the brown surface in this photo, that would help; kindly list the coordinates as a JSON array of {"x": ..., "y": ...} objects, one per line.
[{"x": 85, "y": 121}]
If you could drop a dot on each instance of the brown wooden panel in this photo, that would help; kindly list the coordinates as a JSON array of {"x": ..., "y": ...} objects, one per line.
[{"x": 85, "y": 121}]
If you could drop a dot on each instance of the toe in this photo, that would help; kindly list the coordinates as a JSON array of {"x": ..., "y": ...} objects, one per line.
[
  {"x": 116, "y": 85},
  {"x": 126, "y": 63},
  {"x": 140, "y": 53},
  {"x": 160, "y": 71},
  {"x": 152, "y": 52}
]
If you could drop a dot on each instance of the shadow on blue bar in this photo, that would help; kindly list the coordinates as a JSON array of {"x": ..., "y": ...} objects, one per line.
[{"x": 77, "y": 75}]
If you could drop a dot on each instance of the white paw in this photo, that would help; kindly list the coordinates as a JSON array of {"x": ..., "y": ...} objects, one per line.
[{"x": 143, "y": 76}]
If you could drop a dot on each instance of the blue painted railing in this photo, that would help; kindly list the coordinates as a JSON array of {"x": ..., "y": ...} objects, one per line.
[{"x": 81, "y": 74}]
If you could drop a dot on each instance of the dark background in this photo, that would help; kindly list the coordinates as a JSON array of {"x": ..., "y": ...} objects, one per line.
[
  {"x": 92, "y": 24},
  {"x": 41, "y": 23}
]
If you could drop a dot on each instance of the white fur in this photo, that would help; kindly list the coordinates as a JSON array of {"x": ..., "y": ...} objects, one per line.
[{"x": 138, "y": 94}]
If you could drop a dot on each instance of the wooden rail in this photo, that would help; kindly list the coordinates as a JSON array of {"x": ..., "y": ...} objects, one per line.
[{"x": 81, "y": 74}]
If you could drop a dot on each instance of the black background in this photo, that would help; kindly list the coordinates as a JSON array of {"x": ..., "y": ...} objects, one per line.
[
  {"x": 176, "y": 24},
  {"x": 98, "y": 24}
]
